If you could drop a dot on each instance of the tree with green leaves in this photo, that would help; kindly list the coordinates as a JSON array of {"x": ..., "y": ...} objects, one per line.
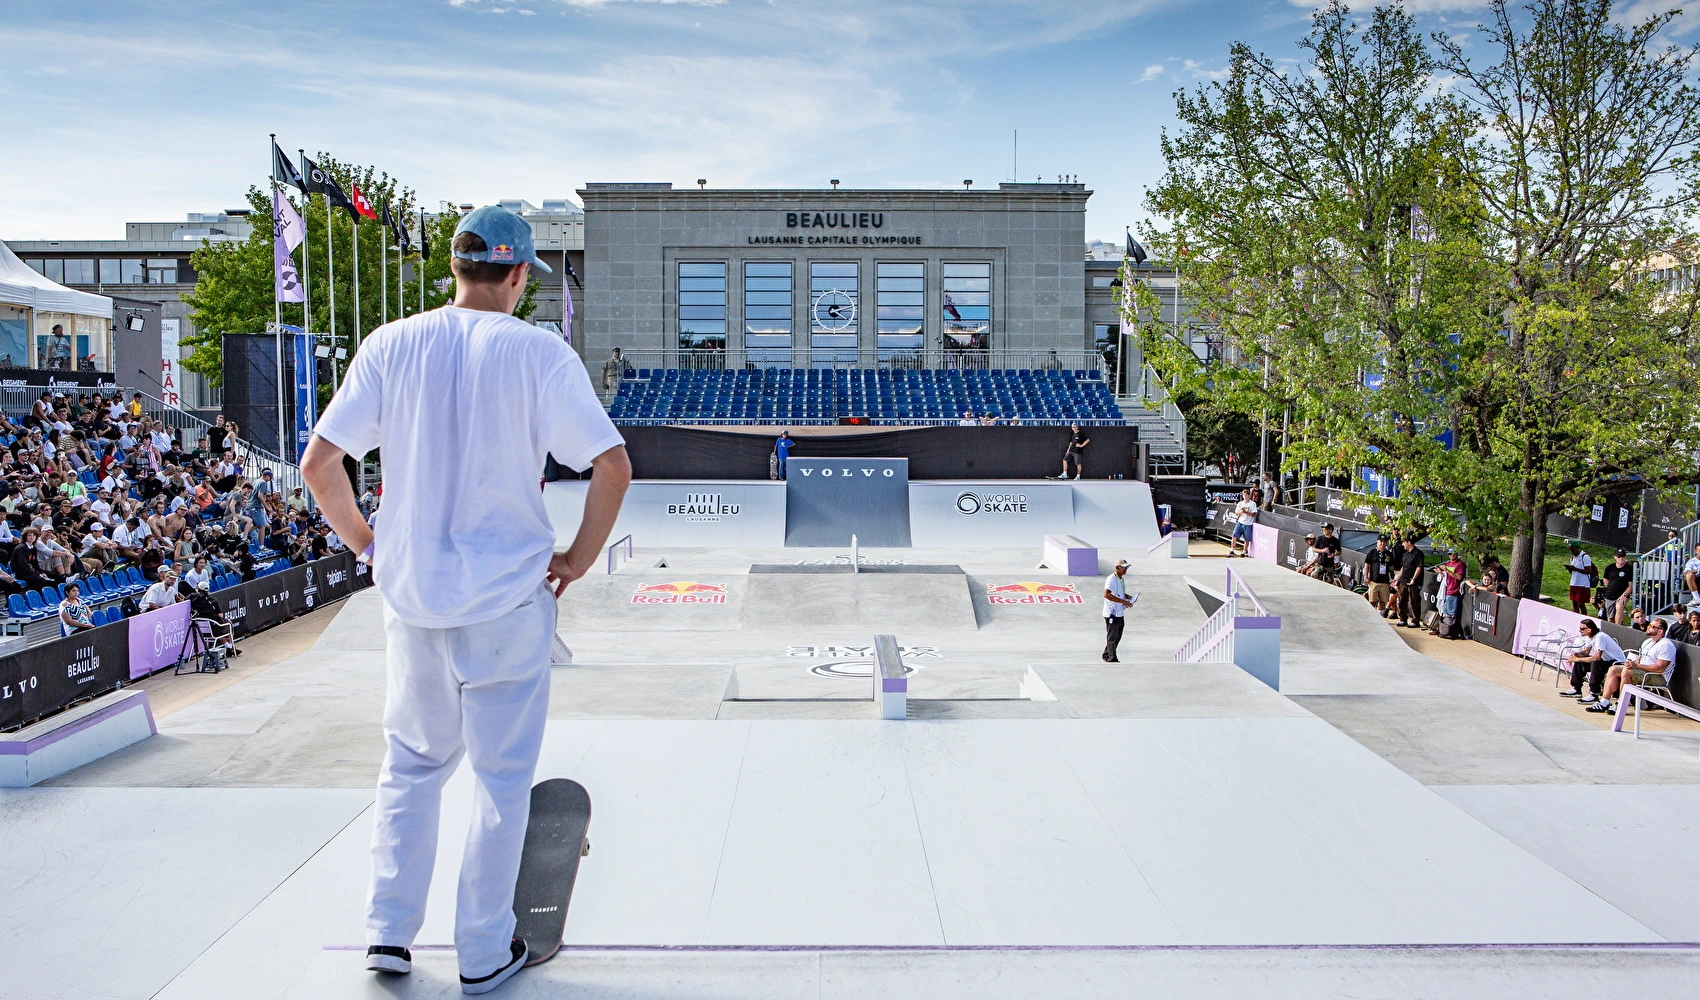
[
  {"x": 1362, "y": 240},
  {"x": 233, "y": 291}
]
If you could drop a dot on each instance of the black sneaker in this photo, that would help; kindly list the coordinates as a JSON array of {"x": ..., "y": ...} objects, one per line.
[
  {"x": 484, "y": 984},
  {"x": 385, "y": 958}
]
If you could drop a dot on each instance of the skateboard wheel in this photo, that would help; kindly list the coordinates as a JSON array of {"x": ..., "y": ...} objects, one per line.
[{"x": 584, "y": 852}]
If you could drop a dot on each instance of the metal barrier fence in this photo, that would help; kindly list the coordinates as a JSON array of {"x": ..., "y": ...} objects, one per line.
[
  {"x": 1658, "y": 573},
  {"x": 825, "y": 359},
  {"x": 777, "y": 421}
]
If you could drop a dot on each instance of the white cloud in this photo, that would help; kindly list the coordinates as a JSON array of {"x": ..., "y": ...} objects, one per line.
[
  {"x": 1413, "y": 6},
  {"x": 1151, "y": 72},
  {"x": 1200, "y": 73}
]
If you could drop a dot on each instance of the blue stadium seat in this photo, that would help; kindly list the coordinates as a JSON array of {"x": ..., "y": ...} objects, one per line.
[
  {"x": 17, "y": 606},
  {"x": 35, "y": 601}
]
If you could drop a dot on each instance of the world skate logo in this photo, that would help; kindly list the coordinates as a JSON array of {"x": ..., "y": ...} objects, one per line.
[
  {"x": 680, "y": 592},
  {"x": 971, "y": 503},
  {"x": 1030, "y": 592}
]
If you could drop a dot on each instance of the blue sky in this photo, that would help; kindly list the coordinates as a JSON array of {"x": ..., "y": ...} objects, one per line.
[{"x": 127, "y": 111}]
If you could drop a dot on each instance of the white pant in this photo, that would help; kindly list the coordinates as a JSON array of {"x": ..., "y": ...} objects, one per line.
[{"x": 482, "y": 690}]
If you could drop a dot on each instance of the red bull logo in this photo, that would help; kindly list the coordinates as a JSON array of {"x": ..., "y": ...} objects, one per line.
[
  {"x": 1030, "y": 592},
  {"x": 680, "y": 592}
]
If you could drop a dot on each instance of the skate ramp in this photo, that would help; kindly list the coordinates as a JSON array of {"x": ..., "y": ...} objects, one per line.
[{"x": 895, "y": 602}]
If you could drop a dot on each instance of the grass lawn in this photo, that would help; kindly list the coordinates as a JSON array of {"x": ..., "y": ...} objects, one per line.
[{"x": 1555, "y": 579}]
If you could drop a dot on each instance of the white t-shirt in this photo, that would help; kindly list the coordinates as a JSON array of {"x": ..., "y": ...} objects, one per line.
[
  {"x": 1654, "y": 650},
  {"x": 1606, "y": 646},
  {"x": 1117, "y": 586},
  {"x": 1247, "y": 511},
  {"x": 1692, "y": 565},
  {"x": 159, "y": 595},
  {"x": 465, "y": 405},
  {"x": 1580, "y": 579}
]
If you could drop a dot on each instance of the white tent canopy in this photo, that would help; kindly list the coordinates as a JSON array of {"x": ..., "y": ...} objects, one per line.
[{"x": 21, "y": 286}]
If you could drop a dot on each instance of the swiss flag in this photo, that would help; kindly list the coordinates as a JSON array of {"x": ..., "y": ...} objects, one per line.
[{"x": 361, "y": 205}]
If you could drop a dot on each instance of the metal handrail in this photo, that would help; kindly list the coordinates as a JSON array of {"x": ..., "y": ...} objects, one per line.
[
  {"x": 1657, "y": 590},
  {"x": 1237, "y": 588},
  {"x": 833, "y": 422},
  {"x": 628, "y": 543},
  {"x": 1209, "y": 638},
  {"x": 851, "y": 358}
]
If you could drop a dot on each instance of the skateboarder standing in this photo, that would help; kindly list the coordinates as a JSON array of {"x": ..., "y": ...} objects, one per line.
[
  {"x": 464, "y": 557},
  {"x": 1116, "y": 603}
]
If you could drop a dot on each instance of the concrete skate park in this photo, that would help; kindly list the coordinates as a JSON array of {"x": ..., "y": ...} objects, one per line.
[{"x": 1040, "y": 822}]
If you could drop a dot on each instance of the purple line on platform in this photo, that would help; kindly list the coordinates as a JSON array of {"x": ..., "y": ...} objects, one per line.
[
  {"x": 19, "y": 748},
  {"x": 1257, "y": 622},
  {"x": 734, "y": 948},
  {"x": 889, "y": 684}
]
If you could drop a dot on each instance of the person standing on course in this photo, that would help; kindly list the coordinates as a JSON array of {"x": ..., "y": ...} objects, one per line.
[
  {"x": 782, "y": 450},
  {"x": 1074, "y": 452},
  {"x": 1116, "y": 603},
  {"x": 463, "y": 554},
  {"x": 1245, "y": 516}
]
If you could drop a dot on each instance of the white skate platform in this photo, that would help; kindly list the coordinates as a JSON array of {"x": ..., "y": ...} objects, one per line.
[{"x": 1196, "y": 834}]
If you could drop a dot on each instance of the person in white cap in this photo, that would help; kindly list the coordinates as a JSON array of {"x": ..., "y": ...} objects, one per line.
[
  {"x": 1116, "y": 603},
  {"x": 463, "y": 554}
]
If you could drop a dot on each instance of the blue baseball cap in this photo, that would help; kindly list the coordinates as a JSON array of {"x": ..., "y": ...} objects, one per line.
[{"x": 506, "y": 236}]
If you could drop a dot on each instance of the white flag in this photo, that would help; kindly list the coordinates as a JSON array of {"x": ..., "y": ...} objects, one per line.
[{"x": 287, "y": 233}]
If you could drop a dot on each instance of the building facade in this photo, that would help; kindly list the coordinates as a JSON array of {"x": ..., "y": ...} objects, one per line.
[{"x": 833, "y": 277}]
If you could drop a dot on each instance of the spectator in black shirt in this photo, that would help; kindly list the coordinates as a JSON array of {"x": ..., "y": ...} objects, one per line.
[
  {"x": 1615, "y": 581},
  {"x": 1408, "y": 584},
  {"x": 1380, "y": 563}
]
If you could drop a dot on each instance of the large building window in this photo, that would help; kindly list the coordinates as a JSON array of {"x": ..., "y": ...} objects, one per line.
[
  {"x": 162, "y": 272},
  {"x": 967, "y": 307},
  {"x": 902, "y": 305},
  {"x": 834, "y": 310},
  {"x": 131, "y": 272},
  {"x": 702, "y": 307},
  {"x": 768, "y": 311},
  {"x": 79, "y": 272},
  {"x": 109, "y": 271}
]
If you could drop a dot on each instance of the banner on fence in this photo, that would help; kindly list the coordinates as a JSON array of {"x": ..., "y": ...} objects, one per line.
[
  {"x": 43, "y": 679},
  {"x": 156, "y": 638},
  {"x": 1536, "y": 619}
]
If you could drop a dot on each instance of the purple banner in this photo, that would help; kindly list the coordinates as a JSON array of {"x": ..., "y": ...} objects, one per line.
[
  {"x": 156, "y": 638},
  {"x": 1265, "y": 542},
  {"x": 1536, "y": 619}
]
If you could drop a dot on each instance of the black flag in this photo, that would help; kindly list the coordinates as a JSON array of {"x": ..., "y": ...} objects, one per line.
[
  {"x": 568, "y": 264},
  {"x": 284, "y": 172},
  {"x": 320, "y": 182},
  {"x": 1134, "y": 250},
  {"x": 424, "y": 240}
]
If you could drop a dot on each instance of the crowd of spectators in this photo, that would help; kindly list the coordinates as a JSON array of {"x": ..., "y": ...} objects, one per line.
[{"x": 90, "y": 484}]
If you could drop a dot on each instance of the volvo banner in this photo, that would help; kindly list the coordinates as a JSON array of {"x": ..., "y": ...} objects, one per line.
[{"x": 829, "y": 499}]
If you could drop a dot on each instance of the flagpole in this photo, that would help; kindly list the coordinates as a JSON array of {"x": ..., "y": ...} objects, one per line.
[
  {"x": 384, "y": 268},
  {"x": 359, "y": 321},
  {"x": 306, "y": 290},
  {"x": 330, "y": 267},
  {"x": 423, "y": 244},
  {"x": 277, "y": 307}
]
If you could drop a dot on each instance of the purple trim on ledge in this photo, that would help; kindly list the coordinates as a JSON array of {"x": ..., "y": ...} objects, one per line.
[
  {"x": 1424, "y": 946},
  {"x": 891, "y": 684},
  {"x": 1270, "y": 621},
  {"x": 16, "y": 748}
]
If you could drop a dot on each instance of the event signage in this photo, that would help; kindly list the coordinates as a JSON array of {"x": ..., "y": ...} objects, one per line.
[
  {"x": 156, "y": 638},
  {"x": 970, "y": 503},
  {"x": 306, "y": 391},
  {"x": 827, "y": 500},
  {"x": 703, "y": 507},
  {"x": 55, "y": 379},
  {"x": 1031, "y": 592},
  {"x": 680, "y": 592},
  {"x": 841, "y": 230},
  {"x": 43, "y": 679},
  {"x": 1537, "y": 620}
]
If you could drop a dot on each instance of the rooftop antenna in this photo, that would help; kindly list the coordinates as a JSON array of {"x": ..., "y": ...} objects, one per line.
[
  {"x": 1014, "y": 154},
  {"x": 967, "y": 183},
  {"x": 834, "y": 183},
  {"x": 702, "y": 182}
]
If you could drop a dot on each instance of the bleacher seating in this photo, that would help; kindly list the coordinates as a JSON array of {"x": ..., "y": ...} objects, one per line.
[{"x": 882, "y": 396}]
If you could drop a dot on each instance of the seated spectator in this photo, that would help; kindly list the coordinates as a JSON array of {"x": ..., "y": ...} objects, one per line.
[
  {"x": 99, "y": 553},
  {"x": 297, "y": 503},
  {"x": 74, "y": 615},
  {"x": 1691, "y": 578},
  {"x": 130, "y": 538},
  {"x": 203, "y": 606},
  {"x": 1600, "y": 655},
  {"x": 1652, "y": 662},
  {"x": 1688, "y": 629},
  {"x": 202, "y": 573},
  {"x": 1638, "y": 619},
  {"x": 162, "y": 594}
]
